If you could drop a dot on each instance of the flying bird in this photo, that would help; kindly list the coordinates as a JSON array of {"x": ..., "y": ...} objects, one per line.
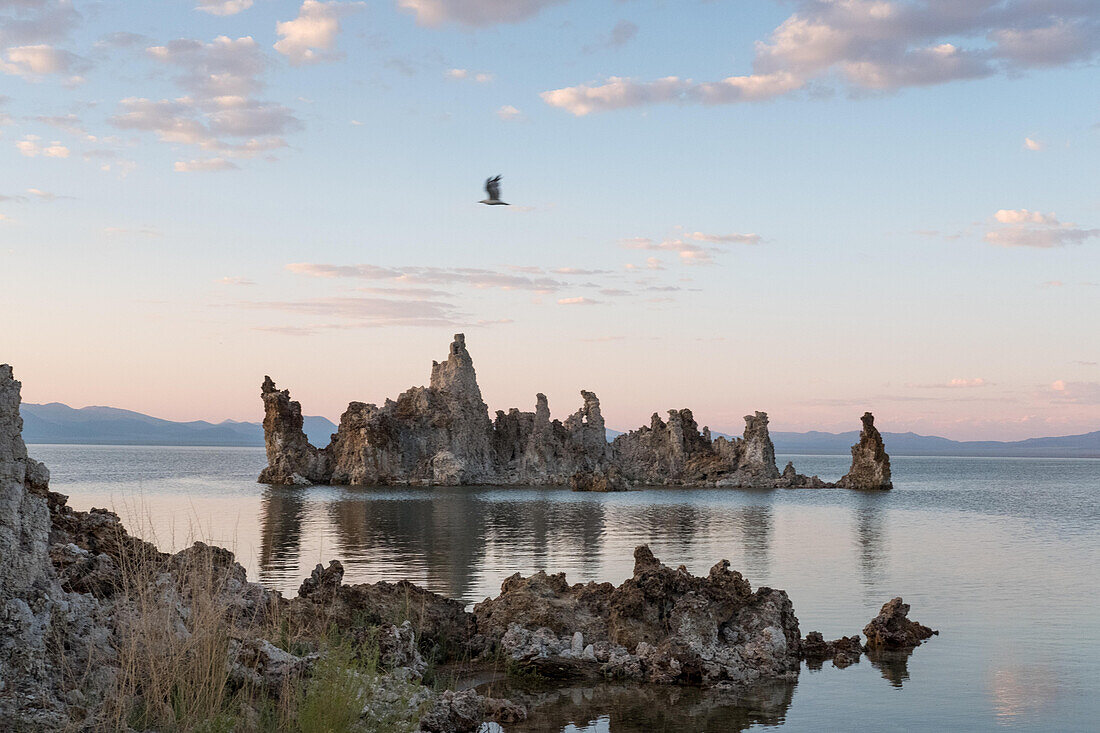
[{"x": 492, "y": 186}]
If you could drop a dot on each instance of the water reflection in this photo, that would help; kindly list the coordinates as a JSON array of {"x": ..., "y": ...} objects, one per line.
[
  {"x": 1022, "y": 690},
  {"x": 611, "y": 708},
  {"x": 282, "y": 511},
  {"x": 894, "y": 665},
  {"x": 756, "y": 526},
  {"x": 450, "y": 539},
  {"x": 436, "y": 533},
  {"x": 870, "y": 533}
]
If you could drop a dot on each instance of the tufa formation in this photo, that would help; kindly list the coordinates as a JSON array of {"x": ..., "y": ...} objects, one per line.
[{"x": 442, "y": 435}]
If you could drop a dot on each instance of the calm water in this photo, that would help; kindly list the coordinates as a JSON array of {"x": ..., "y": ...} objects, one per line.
[{"x": 1001, "y": 555}]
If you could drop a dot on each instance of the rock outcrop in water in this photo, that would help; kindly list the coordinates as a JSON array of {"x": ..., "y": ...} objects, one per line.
[
  {"x": 661, "y": 625},
  {"x": 441, "y": 435},
  {"x": 870, "y": 464},
  {"x": 291, "y": 459},
  {"x": 892, "y": 630}
]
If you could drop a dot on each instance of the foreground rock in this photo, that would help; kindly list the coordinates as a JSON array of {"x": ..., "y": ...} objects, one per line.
[
  {"x": 440, "y": 623},
  {"x": 95, "y": 624},
  {"x": 661, "y": 625},
  {"x": 441, "y": 435},
  {"x": 38, "y": 619},
  {"x": 892, "y": 630}
]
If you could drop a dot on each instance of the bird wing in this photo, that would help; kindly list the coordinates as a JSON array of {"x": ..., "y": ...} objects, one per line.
[{"x": 493, "y": 187}]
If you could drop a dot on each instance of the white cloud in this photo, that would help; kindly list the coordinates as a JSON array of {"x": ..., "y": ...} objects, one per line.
[
  {"x": 474, "y": 12},
  {"x": 32, "y": 148},
  {"x": 874, "y": 45},
  {"x": 508, "y": 113},
  {"x": 31, "y": 62},
  {"x": 1075, "y": 393},
  {"x": 1025, "y": 228},
  {"x": 577, "y": 301},
  {"x": 204, "y": 164},
  {"x": 235, "y": 280},
  {"x": 1023, "y": 216},
  {"x": 690, "y": 254},
  {"x": 960, "y": 382},
  {"x": 1032, "y": 144},
  {"x": 362, "y": 312},
  {"x": 481, "y": 77},
  {"x": 224, "y": 66},
  {"x": 223, "y": 7},
  {"x": 43, "y": 195},
  {"x": 28, "y": 22},
  {"x": 311, "y": 37},
  {"x": 219, "y": 113},
  {"x": 471, "y": 276},
  {"x": 725, "y": 238}
]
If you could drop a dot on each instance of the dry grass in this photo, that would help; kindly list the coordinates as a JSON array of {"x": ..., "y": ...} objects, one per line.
[{"x": 174, "y": 631}]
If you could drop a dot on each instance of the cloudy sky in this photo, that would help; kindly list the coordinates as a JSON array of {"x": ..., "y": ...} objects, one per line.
[{"x": 809, "y": 207}]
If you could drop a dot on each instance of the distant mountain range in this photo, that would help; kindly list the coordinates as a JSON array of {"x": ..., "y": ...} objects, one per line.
[{"x": 58, "y": 423}]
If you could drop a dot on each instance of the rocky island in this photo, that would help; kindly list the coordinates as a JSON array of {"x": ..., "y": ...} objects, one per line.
[
  {"x": 442, "y": 435},
  {"x": 99, "y": 630}
]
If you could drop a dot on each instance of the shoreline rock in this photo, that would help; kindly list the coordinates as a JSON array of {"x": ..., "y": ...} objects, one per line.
[
  {"x": 661, "y": 626},
  {"x": 441, "y": 435}
]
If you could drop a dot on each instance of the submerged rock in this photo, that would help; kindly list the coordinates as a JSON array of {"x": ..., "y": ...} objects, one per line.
[
  {"x": 661, "y": 625},
  {"x": 892, "y": 630},
  {"x": 870, "y": 463}
]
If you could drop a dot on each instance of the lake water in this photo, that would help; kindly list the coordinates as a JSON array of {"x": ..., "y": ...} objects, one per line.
[{"x": 1001, "y": 555}]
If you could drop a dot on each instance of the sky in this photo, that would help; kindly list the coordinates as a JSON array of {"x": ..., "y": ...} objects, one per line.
[{"x": 808, "y": 207}]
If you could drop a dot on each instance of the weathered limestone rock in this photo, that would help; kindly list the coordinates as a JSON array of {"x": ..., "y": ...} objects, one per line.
[
  {"x": 892, "y": 630},
  {"x": 661, "y": 625},
  {"x": 843, "y": 652},
  {"x": 792, "y": 479},
  {"x": 291, "y": 459},
  {"x": 668, "y": 452},
  {"x": 870, "y": 464},
  {"x": 675, "y": 452},
  {"x": 324, "y": 599},
  {"x": 598, "y": 480},
  {"x": 441, "y": 435},
  {"x": 434, "y": 435},
  {"x": 24, "y": 516},
  {"x": 463, "y": 712},
  {"x": 530, "y": 449},
  {"x": 38, "y": 618}
]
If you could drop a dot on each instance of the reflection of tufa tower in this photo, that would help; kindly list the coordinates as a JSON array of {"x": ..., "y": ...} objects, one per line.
[{"x": 280, "y": 536}]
